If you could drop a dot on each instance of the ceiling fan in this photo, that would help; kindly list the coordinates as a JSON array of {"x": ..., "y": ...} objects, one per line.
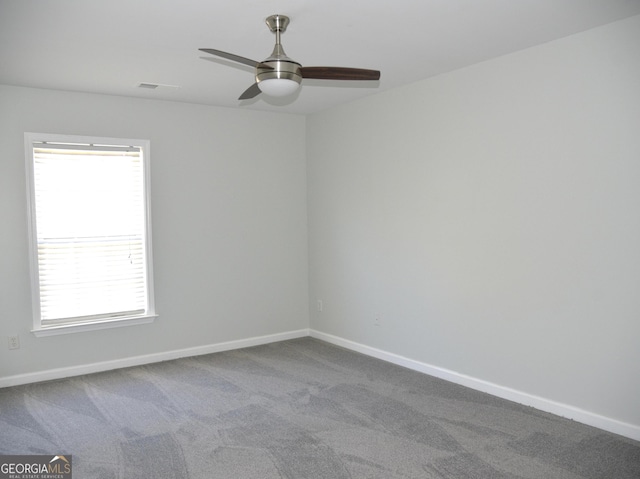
[{"x": 279, "y": 75}]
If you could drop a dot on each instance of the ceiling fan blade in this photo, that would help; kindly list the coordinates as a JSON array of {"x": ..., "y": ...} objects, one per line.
[
  {"x": 251, "y": 92},
  {"x": 230, "y": 56},
  {"x": 339, "y": 73}
]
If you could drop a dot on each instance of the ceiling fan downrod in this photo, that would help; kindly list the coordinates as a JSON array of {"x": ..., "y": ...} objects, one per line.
[{"x": 277, "y": 24}]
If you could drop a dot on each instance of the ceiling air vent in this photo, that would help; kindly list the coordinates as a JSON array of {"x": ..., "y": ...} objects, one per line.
[{"x": 154, "y": 86}]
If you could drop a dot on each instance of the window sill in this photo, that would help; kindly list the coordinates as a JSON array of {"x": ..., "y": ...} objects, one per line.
[{"x": 94, "y": 326}]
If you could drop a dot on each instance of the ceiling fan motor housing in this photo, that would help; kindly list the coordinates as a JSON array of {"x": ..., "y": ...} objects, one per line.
[{"x": 280, "y": 69}]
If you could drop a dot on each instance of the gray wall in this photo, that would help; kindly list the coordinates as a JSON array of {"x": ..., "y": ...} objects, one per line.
[
  {"x": 490, "y": 220},
  {"x": 228, "y": 218}
]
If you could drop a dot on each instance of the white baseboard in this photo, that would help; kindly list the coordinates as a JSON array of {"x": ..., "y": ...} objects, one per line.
[
  {"x": 547, "y": 405},
  {"x": 60, "y": 373}
]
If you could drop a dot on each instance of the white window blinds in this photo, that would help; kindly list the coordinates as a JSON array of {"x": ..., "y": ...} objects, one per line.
[{"x": 90, "y": 229}]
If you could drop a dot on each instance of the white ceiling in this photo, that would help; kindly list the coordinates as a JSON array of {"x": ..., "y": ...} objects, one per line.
[{"x": 111, "y": 46}]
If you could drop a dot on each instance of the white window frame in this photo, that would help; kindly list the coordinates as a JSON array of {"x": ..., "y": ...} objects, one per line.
[{"x": 149, "y": 315}]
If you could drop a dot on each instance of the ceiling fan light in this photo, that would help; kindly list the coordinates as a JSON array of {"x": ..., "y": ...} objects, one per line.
[{"x": 278, "y": 86}]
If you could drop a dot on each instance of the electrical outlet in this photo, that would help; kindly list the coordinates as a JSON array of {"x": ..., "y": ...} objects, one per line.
[
  {"x": 14, "y": 342},
  {"x": 320, "y": 305},
  {"x": 376, "y": 321}
]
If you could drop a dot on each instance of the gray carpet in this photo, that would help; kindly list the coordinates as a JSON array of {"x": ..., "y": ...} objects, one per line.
[{"x": 297, "y": 409}]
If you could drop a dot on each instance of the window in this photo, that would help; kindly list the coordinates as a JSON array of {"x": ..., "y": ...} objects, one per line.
[{"x": 89, "y": 232}]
